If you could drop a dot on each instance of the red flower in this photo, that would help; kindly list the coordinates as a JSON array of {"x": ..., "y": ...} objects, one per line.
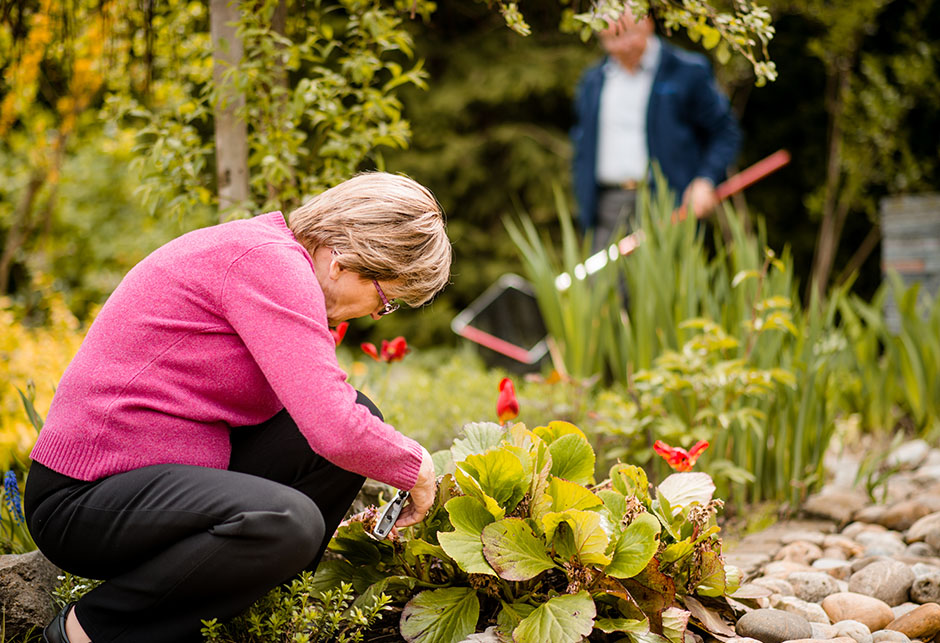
[
  {"x": 370, "y": 350},
  {"x": 339, "y": 333},
  {"x": 677, "y": 457},
  {"x": 392, "y": 351},
  {"x": 395, "y": 350},
  {"x": 507, "y": 406}
]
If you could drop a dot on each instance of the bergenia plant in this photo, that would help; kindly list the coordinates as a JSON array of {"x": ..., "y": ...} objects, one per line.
[{"x": 521, "y": 538}]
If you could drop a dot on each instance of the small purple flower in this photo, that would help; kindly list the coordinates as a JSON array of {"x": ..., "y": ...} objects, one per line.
[{"x": 11, "y": 493}]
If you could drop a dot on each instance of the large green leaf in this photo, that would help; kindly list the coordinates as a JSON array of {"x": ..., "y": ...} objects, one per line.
[
  {"x": 568, "y": 495},
  {"x": 572, "y": 459},
  {"x": 712, "y": 575},
  {"x": 514, "y": 551},
  {"x": 557, "y": 429},
  {"x": 685, "y": 489},
  {"x": 631, "y": 625},
  {"x": 630, "y": 480},
  {"x": 468, "y": 514},
  {"x": 500, "y": 475},
  {"x": 441, "y": 616},
  {"x": 467, "y": 551},
  {"x": 562, "y": 619},
  {"x": 635, "y": 548},
  {"x": 480, "y": 438},
  {"x": 589, "y": 540},
  {"x": 472, "y": 488},
  {"x": 510, "y": 616}
]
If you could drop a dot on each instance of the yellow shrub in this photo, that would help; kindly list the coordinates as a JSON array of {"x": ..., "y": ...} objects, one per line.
[{"x": 36, "y": 356}]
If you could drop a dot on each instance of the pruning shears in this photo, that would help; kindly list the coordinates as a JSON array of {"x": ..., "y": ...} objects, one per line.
[{"x": 388, "y": 515}]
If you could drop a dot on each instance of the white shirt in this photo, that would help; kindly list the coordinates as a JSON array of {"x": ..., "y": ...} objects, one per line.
[{"x": 621, "y": 146}]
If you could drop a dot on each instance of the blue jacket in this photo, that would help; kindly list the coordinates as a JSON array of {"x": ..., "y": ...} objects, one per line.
[{"x": 690, "y": 128}]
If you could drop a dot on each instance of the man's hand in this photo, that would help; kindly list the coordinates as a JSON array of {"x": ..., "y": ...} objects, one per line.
[
  {"x": 422, "y": 494},
  {"x": 699, "y": 198}
]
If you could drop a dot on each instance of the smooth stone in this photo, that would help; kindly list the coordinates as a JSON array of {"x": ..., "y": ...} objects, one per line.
[
  {"x": 836, "y": 553},
  {"x": 855, "y": 630},
  {"x": 773, "y": 626},
  {"x": 853, "y": 529},
  {"x": 902, "y": 515},
  {"x": 888, "y": 580},
  {"x": 812, "y": 586},
  {"x": 921, "y": 550},
  {"x": 922, "y": 569},
  {"x": 889, "y": 542},
  {"x": 862, "y": 563},
  {"x": 909, "y": 455},
  {"x": 871, "y": 514},
  {"x": 812, "y": 612},
  {"x": 924, "y": 527},
  {"x": 889, "y": 636},
  {"x": 838, "y": 569},
  {"x": 848, "y": 606},
  {"x": 801, "y": 551},
  {"x": 823, "y": 631},
  {"x": 926, "y": 588},
  {"x": 903, "y": 608},
  {"x": 835, "y": 505},
  {"x": 920, "y": 623},
  {"x": 843, "y": 639},
  {"x": 811, "y": 537},
  {"x": 848, "y": 546},
  {"x": 783, "y": 568},
  {"x": 775, "y": 585}
]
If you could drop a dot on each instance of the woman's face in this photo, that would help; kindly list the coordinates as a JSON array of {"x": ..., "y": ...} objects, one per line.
[{"x": 347, "y": 294}]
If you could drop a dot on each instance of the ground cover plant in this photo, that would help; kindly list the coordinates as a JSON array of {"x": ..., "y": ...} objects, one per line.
[{"x": 521, "y": 538}]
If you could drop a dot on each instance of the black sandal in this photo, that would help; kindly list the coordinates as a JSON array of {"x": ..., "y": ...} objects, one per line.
[{"x": 55, "y": 631}]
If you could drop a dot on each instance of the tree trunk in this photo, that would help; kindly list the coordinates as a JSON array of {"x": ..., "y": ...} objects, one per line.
[
  {"x": 830, "y": 227},
  {"x": 231, "y": 132}
]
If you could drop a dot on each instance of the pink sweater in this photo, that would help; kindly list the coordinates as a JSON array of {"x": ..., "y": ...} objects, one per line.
[{"x": 220, "y": 328}]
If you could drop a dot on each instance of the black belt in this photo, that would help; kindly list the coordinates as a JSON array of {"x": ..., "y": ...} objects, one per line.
[{"x": 628, "y": 185}]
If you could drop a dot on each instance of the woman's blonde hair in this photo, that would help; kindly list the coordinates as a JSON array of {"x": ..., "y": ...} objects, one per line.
[{"x": 382, "y": 226}]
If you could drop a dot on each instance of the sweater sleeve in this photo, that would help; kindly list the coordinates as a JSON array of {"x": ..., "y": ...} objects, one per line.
[{"x": 273, "y": 301}]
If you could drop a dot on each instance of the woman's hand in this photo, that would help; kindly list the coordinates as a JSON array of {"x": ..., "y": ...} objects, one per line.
[{"x": 422, "y": 494}]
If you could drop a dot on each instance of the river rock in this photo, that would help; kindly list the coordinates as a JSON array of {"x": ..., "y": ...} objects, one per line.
[
  {"x": 812, "y": 612},
  {"x": 853, "y": 629},
  {"x": 838, "y": 569},
  {"x": 837, "y": 505},
  {"x": 924, "y": 527},
  {"x": 783, "y": 568},
  {"x": 773, "y": 626},
  {"x": 889, "y": 636},
  {"x": 920, "y": 550},
  {"x": 849, "y": 547},
  {"x": 903, "y": 608},
  {"x": 823, "y": 631},
  {"x": 920, "y": 623},
  {"x": 909, "y": 455},
  {"x": 848, "y": 606},
  {"x": 888, "y": 580},
  {"x": 801, "y": 551},
  {"x": 812, "y": 586},
  {"x": 926, "y": 588},
  {"x": 887, "y": 543},
  {"x": 853, "y": 529},
  {"x": 775, "y": 585},
  {"x": 902, "y": 515}
]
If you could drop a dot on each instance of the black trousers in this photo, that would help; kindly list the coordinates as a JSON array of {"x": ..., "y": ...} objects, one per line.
[{"x": 176, "y": 543}]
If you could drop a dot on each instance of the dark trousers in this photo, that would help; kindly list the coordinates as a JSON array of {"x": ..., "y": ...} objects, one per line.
[{"x": 176, "y": 543}]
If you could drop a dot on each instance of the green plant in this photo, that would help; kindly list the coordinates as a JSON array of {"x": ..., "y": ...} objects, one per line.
[
  {"x": 296, "y": 613},
  {"x": 520, "y": 538}
]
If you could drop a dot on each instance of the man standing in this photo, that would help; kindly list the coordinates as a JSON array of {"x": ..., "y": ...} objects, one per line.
[{"x": 647, "y": 101}]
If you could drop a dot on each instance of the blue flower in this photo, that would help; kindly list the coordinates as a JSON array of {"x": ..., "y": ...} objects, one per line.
[{"x": 11, "y": 493}]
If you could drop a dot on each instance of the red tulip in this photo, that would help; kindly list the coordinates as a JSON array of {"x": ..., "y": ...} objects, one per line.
[
  {"x": 507, "y": 406},
  {"x": 395, "y": 350},
  {"x": 677, "y": 457},
  {"x": 370, "y": 350},
  {"x": 339, "y": 333}
]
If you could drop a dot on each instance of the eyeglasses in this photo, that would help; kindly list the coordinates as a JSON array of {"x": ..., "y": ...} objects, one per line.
[{"x": 390, "y": 307}]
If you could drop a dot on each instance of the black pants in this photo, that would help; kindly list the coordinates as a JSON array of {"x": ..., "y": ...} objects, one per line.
[{"x": 177, "y": 543}]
